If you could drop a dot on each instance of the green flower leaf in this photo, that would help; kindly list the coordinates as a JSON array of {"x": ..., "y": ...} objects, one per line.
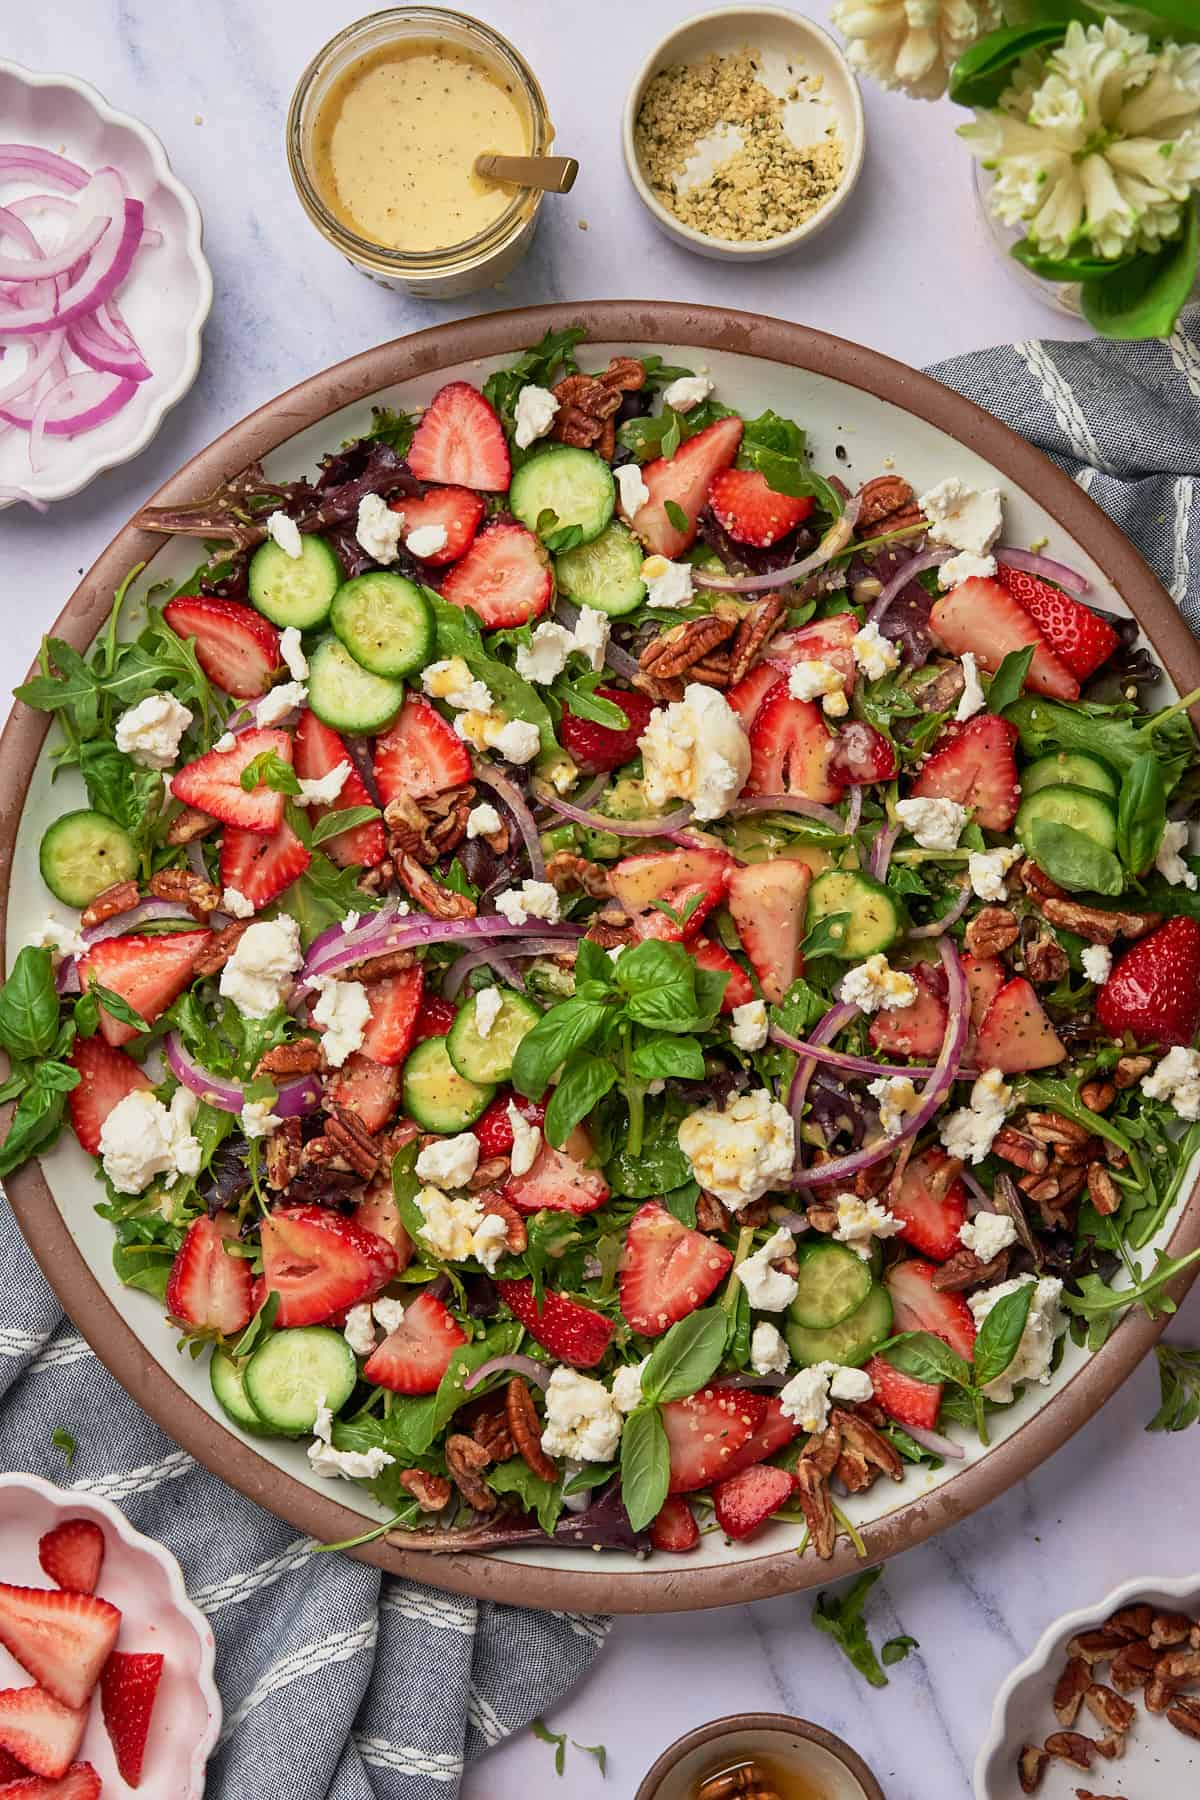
[
  {"x": 982, "y": 73},
  {"x": 1145, "y": 298}
]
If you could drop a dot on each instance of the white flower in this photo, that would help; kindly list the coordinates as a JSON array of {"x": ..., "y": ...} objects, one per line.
[{"x": 912, "y": 44}]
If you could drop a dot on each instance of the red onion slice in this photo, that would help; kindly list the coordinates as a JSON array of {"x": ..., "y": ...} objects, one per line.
[
  {"x": 75, "y": 403},
  {"x": 458, "y": 971},
  {"x": 300, "y": 1095},
  {"x": 102, "y": 275},
  {"x": 42, "y": 264},
  {"x": 528, "y": 1366},
  {"x": 835, "y": 541},
  {"x": 44, "y": 351},
  {"x": 392, "y": 931},
  {"x": 25, "y": 160},
  {"x": 839, "y": 1014},
  {"x": 594, "y": 821},
  {"x": 808, "y": 809},
  {"x": 1060, "y": 573},
  {"x": 916, "y": 565},
  {"x": 934, "y": 1441},
  {"x": 516, "y": 804},
  {"x": 948, "y": 918},
  {"x": 137, "y": 916},
  {"x": 881, "y": 852},
  {"x": 98, "y": 351},
  {"x": 836, "y": 1059}
]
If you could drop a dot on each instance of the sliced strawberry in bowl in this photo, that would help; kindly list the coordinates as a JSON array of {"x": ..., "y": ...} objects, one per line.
[
  {"x": 72, "y": 1554},
  {"x": 213, "y": 783},
  {"x": 708, "y": 954},
  {"x": 683, "y": 480},
  {"x": 932, "y": 1202},
  {"x": 748, "y": 694},
  {"x": 235, "y": 646},
  {"x": 420, "y": 755},
  {"x": 1015, "y": 1034},
  {"x": 861, "y": 755},
  {"x": 1077, "y": 635},
  {"x": 434, "y": 1019},
  {"x": 791, "y": 751},
  {"x": 559, "y": 1180},
  {"x": 918, "y": 1306},
  {"x": 573, "y": 1333},
  {"x": 149, "y": 970},
  {"x": 493, "y": 1127},
  {"x": 773, "y": 1434},
  {"x": 395, "y": 1003},
  {"x": 976, "y": 765},
  {"x": 320, "y": 1264},
  {"x": 62, "y": 1639},
  {"x": 259, "y": 867},
  {"x": 1153, "y": 990},
  {"x": 828, "y": 640},
  {"x": 318, "y": 751},
  {"x": 986, "y": 975},
  {"x": 505, "y": 577},
  {"x": 377, "y": 1211},
  {"x": 691, "y": 879},
  {"x": 80, "y": 1782},
  {"x": 767, "y": 902},
  {"x": 750, "y": 511},
  {"x": 40, "y": 1731},
  {"x": 744, "y": 1502},
  {"x": 460, "y": 442},
  {"x": 667, "y": 1269},
  {"x": 675, "y": 1528},
  {"x": 979, "y": 615},
  {"x": 903, "y": 1398},
  {"x": 106, "y": 1076},
  {"x": 413, "y": 1358},
  {"x": 599, "y": 748},
  {"x": 208, "y": 1289},
  {"x": 705, "y": 1431},
  {"x": 455, "y": 510},
  {"x": 128, "y": 1687},
  {"x": 916, "y": 1030},
  {"x": 367, "y": 1089}
]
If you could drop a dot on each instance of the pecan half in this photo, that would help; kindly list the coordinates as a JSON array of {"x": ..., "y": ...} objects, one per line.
[
  {"x": 756, "y": 628},
  {"x": 677, "y": 650},
  {"x": 815, "y": 1503},
  {"x": 1071, "y": 1747},
  {"x": 1133, "y": 1667},
  {"x": 283, "y": 1155},
  {"x": 1130, "y": 1069},
  {"x": 441, "y": 901},
  {"x": 491, "y": 1431},
  {"x": 1072, "y": 1685},
  {"x": 1180, "y": 1666},
  {"x": 1108, "y": 1708},
  {"x": 516, "y": 1234},
  {"x": 823, "y": 1449},
  {"x": 713, "y": 671},
  {"x": 526, "y": 1429},
  {"x": 1185, "y": 1717},
  {"x": 1132, "y": 1622},
  {"x": 1160, "y": 1695},
  {"x": 1046, "y": 962},
  {"x": 298, "y": 1058},
  {"x": 624, "y": 373},
  {"x": 964, "y": 1270},
  {"x": 1103, "y": 1191},
  {"x": 431, "y": 1492},
  {"x": 1093, "y": 923},
  {"x": 121, "y": 897},
  {"x": 466, "y": 1460},
  {"x": 1031, "y": 1766},
  {"x": 992, "y": 930},
  {"x": 351, "y": 1139},
  {"x": 886, "y": 504},
  {"x": 571, "y": 874},
  {"x": 1098, "y": 1096},
  {"x": 1019, "y": 1148},
  {"x": 710, "y": 1214},
  {"x": 1055, "y": 1128},
  {"x": 870, "y": 1444},
  {"x": 1095, "y": 1646},
  {"x": 200, "y": 897},
  {"x": 1168, "y": 1629},
  {"x": 215, "y": 955},
  {"x": 190, "y": 824}
]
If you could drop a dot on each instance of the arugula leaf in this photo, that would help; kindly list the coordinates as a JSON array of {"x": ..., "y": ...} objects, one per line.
[
  {"x": 542, "y": 1498},
  {"x": 645, "y": 1465},
  {"x": 1107, "y": 732},
  {"x": 345, "y": 818},
  {"x": 395, "y": 429},
  {"x": 259, "y": 1327},
  {"x": 323, "y": 895},
  {"x": 896, "y": 1649},
  {"x": 660, "y": 374},
  {"x": 1008, "y": 683},
  {"x": 1099, "y": 1304},
  {"x": 1179, "y": 1378},
  {"x": 584, "y": 1081},
  {"x": 652, "y": 435},
  {"x": 1072, "y": 859},
  {"x": 544, "y": 1735},
  {"x": 579, "y": 695},
  {"x": 62, "y": 1440},
  {"x": 1141, "y": 813},
  {"x": 565, "y": 1028},
  {"x": 1000, "y": 1334},
  {"x": 843, "y": 1621},
  {"x": 826, "y": 936},
  {"x": 29, "y": 1005},
  {"x": 686, "y": 1357}
]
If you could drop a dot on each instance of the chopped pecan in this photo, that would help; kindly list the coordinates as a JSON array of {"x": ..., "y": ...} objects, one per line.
[
  {"x": 121, "y": 897},
  {"x": 441, "y": 901},
  {"x": 680, "y": 648},
  {"x": 526, "y": 1429},
  {"x": 756, "y": 627},
  {"x": 964, "y": 1270},
  {"x": 517, "y": 1235},
  {"x": 1167, "y": 1629},
  {"x": 1093, "y": 923},
  {"x": 886, "y": 504},
  {"x": 1108, "y": 1708},
  {"x": 571, "y": 874},
  {"x": 756, "y": 1214},
  {"x": 1046, "y": 962},
  {"x": 713, "y": 671},
  {"x": 710, "y": 1214},
  {"x": 1072, "y": 1747},
  {"x": 1132, "y": 1667},
  {"x": 491, "y": 1431},
  {"x": 466, "y": 1460},
  {"x": 200, "y": 897},
  {"x": 351, "y": 1140},
  {"x": 283, "y": 1155},
  {"x": 1160, "y": 1695},
  {"x": 599, "y": 399},
  {"x": 189, "y": 825},
  {"x": 1130, "y": 1069},
  {"x": 610, "y": 928},
  {"x": 1184, "y": 1715},
  {"x": 1181, "y": 1667},
  {"x": 854, "y": 1471},
  {"x": 1111, "y": 1743},
  {"x": 431, "y": 1492},
  {"x": 1098, "y": 1096},
  {"x": 1019, "y": 1148},
  {"x": 1095, "y": 1646},
  {"x": 942, "y": 691},
  {"x": 215, "y": 955},
  {"x": 625, "y": 373},
  {"x": 1072, "y": 1685},
  {"x": 1103, "y": 1191},
  {"x": 823, "y": 1449},
  {"x": 822, "y": 1218},
  {"x": 814, "y": 1501},
  {"x": 1132, "y": 1622},
  {"x": 298, "y": 1058},
  {"x": 407, "y": 826},
  {"x": 662, "y": 693},
  {"x": 492, "y": 1172},
  {"x": 380, "y": 879},
  {"x": 1031, "y": 1766},
  {"x": 992, "y": 930},
  {"x": 858, "y": 1435},
  {"x": 1055, "y": 1128},
  {"x": 378, "y": 968}
]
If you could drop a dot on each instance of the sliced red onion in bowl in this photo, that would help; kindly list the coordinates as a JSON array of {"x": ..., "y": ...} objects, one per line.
[
  {"x": 935, "y": 1442},
  {"x": 1033, "y": 564},
  {"x": 528, "y": 1366},
  {"x": 881, "y": 852},
  {"x": 793, "y": 803},
  {"x": 397, "y": 931},
  {"x": 20, "y": 161},
  {"x": 43, "y": 352},
  {"x": 517, "y": 805},
  {"x": 302, "y": 1094},
  {"x": 836, "y": 1059},
  {"x": 951, "y": 917},
  {"x": 41, "y": 264},
  {"x": 104, "y": 271},
  {"x": 916, "y": 565},
  {"x": 594, "y": 821},
  {"x": 836, "y": 540},
  {"x": 144, "y": 913},
  {"x": 98, "y": 351}
]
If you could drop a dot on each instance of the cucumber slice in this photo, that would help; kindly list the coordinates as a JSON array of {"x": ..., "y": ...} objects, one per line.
[
  {"x": 851, "y": 1342},
  {"x": 875, "y": 916},
  {"x": 1078, "y": 807},
  {"x": 436, "y": 1095},
  {"x": 82, "y": 854},
  {"x": 489, "y": 1059},
  {"x": 385, "y": 622},
  {"x": 295, "y": 1372},
  {"x": 1069, "y": 768},
  {"x": 606, "y": 574},
  {"x": 833, "y": 1283},
  {"x": 575, "y": 485},
  {"x": 230, "y": 1390},
  {"x": 294, "y": 590},
  {"x": 345, "y": 695}
]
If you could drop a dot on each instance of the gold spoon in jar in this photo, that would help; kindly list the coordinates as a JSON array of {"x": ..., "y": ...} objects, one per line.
[{"x": 554, "y": 174}]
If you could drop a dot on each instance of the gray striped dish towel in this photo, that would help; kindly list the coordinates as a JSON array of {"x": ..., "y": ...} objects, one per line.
[{"x": 343, "y": 1684}]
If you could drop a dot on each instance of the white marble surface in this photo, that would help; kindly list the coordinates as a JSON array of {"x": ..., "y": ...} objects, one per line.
[{"x": 907, "y": 268}]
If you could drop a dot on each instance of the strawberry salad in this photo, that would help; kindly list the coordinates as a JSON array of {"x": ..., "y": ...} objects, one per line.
[{"x": 623, "y": 988}]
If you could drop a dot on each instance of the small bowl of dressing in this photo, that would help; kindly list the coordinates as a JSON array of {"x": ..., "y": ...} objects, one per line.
[
  {"x": 383, "y": 131},
  {"x": 760, "y": 1756}
]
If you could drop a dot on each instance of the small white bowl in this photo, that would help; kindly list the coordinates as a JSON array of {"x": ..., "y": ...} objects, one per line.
[
  {"x": 166, "y": 297},
  {"x": 774, "y": 32},
  {"x": 1158, "y": 1759}
]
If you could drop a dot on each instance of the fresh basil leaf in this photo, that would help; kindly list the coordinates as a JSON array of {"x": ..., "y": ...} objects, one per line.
[
  {"x": 645, "y": 1465},
  {"x": 1141, "y": 813},
  {"x": 592, "y": 964},
  {"x": 269, "y": 770},
  {"x": 896, "y": 1649},
  {"x": 826, "y": 937},
  {"x": 1179, "y": 1380},
  {"x": 663, "y": 1058},
  {"x": 345, "y": 818},
  {"x": 542, "y": 1498},
  {"x": 657, "y": 1168},
  {"x": 1008, "y": 683},
  {"x": 584, "y": 1081},
  {"x": 843, "y": 1621},
  {"x": 1000, "y": 1334},
  {"x": 982, "y": 73},
  {"x": 118, "y": 1007},
  {"x": 676, "y": 515},
  {"x": 578, "y": 694},
  {"x": 29, "y": 1005},
  {"x": 35, "y": 1124},
  {"x": 259, "y": 1327},
  {"x": 687, "y": 1356},
  {"x": 927, "y": 1358},
  {"x": 1073, "y": 860},
  {"x": 1145, "y": 298},
  {"x": 565, "y": 1028}
]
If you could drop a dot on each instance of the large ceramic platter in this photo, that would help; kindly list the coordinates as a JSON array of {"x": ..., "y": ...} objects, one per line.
[{"x": 846, "y": 396}]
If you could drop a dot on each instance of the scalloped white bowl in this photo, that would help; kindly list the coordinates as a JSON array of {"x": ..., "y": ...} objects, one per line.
[{"x": 166, "y": 297}]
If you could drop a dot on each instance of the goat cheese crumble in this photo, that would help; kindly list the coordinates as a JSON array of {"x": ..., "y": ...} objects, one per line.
[
  {"x": 740, "y": 1150},
  {"x": 449, "y": 1162},
  {"x": 875, "y": 655},
  {"x": 748, "y": 1025},
  {"x": 427, "y": 540},
  {"x": 972, "y": 699},
  {"x": 805, "y": 1399},
  {"x": 687, "y": 391},
  {"x": 695, "y": 750},
  {"x": 631, "y": 489},
  {"x": 342, "y": 1010},
  {"x": 987, "y": 1234},
  {"x": 1177, "y": 1081},
  {"x": 898, "y": 1101},
  {"x": 488, "y": 1003},
  {"x": 861, "y": 1221},
  {"x": 258, "y": 976},
  {"x": 235, "y": 903},
  {"x": 769, "y": 1289},
  {"x": 874, "y": 986},
  {"x": 355, "y": 1465},
  {"x": 532, "y": 900},
  {"x": 769, "y": 1354},
  {"x": 149, "y": 732},
  {"x": 1036, "y": 1348},
  {"x": 482, "y": 821},
  {"x": 292, "y": 651},
  {"x": 965, "y": 517},
  {"x": 964, "y": 567},
  {"x": 323, "y": 790},
  {"x": 581, "y": 1419},
  {"x": 286, "y": 533},
  {"x": 378, "y": 529},
  {"x": 533, "y": 415},
  {"x": 142, "y": 1138},
  {"x": 668, "y": 584},
  {"x": 935, "y": 824},
  {"x": 986, "y": 870},
  {"x": 279, "y": 703},
  {"x": 527, "y": 1141},
  {"x": 1097, "y": 963},
  {"x": 1169, "y": 862},
  {"x": 815, "y": 679},
  {"x": 968, "y": 1131}
]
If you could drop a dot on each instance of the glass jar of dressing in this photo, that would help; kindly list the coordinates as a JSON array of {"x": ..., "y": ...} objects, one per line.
[{"x": 383, "y": 131}]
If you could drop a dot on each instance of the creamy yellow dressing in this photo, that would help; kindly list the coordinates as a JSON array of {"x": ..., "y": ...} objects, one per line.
[{"x": 396, "y": 138}]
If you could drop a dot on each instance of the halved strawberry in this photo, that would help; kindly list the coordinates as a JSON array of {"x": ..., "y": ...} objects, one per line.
[
  {"x": 791, "y": 752},
  {"x": 918, "y": 1306},
  {"x": 667, "y": 1270},
  {"x": 981, "y": 616},
  {"x": 916, "y": 1030},
  {"x": 675, "y": 1528},
  {"x": 208, "y": 1288},
  {"x": 599, "y": 748},
  {"x": 691, "y": 881},
  {"x": 434, "y": 1019},
  {"x": 748, "y": 694},
  {"x": 61, "y": 1638},
  {"x": 460, "y": 441},
  {"x": 456, "y": 509},
  {"x": 1073, "y": 631},
  {"x": 767, "y": 902},
  {"x": 377, "y": 1211},
  {"x": 861, "y": 754},
  {"x": 986, "y": 975},
  {"x": 571, "y": 1332},
  {"x": 560, "y": 1180},
  {"x": 745, "y": 1502},
  {"x": 975, "y": 765},
  {"x": 420, "y": 754},
  {"x": 366, "y": 1089},
  {"x": 262, "y": 867},
  {"x": 774, "y": 1433},
  {"x": 505, "y": 576},
  {"x": 684, "y": 479},
  {"x": 932, "y": 1203},
  {"x": 750, "y": 511},
  {"x": 128, "y": 1686},
  {"x": 213, "y": 782},
  {"x": 318, "y": 752},
  {"x": 395, "y": 1002},
  {"x": 705, "y": 1432},
  {"x": 11, "y": 1770},
  {"x": 708, "y": 954},
  {"x": 147, "y": 970},
  {"x": 80, "y": 1782},
  {"x": 106, "y": 1076},
  {"x": 1016, "y": 1034},
  {"x": 413, "y": 1358},
  {"x": 828, "y": 640},
  {"x": 903, "y": 1397},
  {"x": 39, "y": 1730},
  {"x": 72, "y": 1554},
  {"x": 235, "y": 646},
  {"x": 494, "y": 1129},
  {"x": 320, "y": 1263},
  {"x": 1154, "y": 988}
]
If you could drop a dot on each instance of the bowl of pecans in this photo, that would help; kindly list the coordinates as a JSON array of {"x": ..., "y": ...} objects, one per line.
[
  {"x": 1107, "y": 1705},
  {"x": 760, "y": 1756}
]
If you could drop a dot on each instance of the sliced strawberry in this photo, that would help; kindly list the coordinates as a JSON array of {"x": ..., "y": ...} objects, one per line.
[
  {"x": 494, "y": 1129},
  {"x": 828, "y": 640},
  {"x": 366, "y": 1089},
  {"x": 986, "y": 975},
  {"x": 775, "y": 1433},
  {"x": 235, "y": 646},
  {"x": 208, "y": 1288},
  {"x": 413, "y": 1358},
  {"x": 80, "y": 1782},
  {"x": 147, "y": 970},
  {"x": 377, "y": 1211},
  {"x": 560, "y": 1180},
  {"x": 434, "y": 1019},
  {"x": 11, "y": 1770},
  {"x": 916, "y": 1030},
  {"x": 1016, "y": 1034},
  {"x": 318, "y": 752},
  {"x": 61, "y": 1638},
  {"x": 127, "y": 1690},
  {"x": 975, "y": 765},
  {"x": 691, "y": 881},
  {"x": 1154, "y": 989},
  {"x": 705, "y": 1432},
  {"x": 904, "y": 1398},
  {"x": 395, "y": 1002},
  {"x": 262, "y": 867},
  {"x": 460, "y": 441},
  {"x": 667, "y": 1270},
  {"x": 767, "y": 902},
  {"x": 747, "y": 695},
  {"x": 1073, "y": 631},
  {"x": 456, "y": 509},
  {"x": 106, "y": 1076},
  {"x": 684, "y": 479},
  {"x": 918, "y": 1306},
  {"x": 40, "y": 1731},
  {"x": 505, "y": 577},
  {"x": 791, "y": 752},
  {"x": 72, "y": 1553},
  {"x": 745, "y": 1502},
  {"x": 932, "y": 1204},
  {"x": 420, "y": 754},
  {"x": 750, "y": 511},
  {"x": 599, "y": 748},
  {"x": 861, "y": 755},
  {"x": 708, "y": 954},
  {"x": 320, "y": 1263},
  {"x": 675, "y": 1528},
  {"x": 981, "y": 616},
  {"x": 571, "y": 1332},
  {"x": 213, "y": 783}
]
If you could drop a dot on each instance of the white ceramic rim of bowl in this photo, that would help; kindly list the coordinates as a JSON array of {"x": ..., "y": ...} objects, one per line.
[
  {"x": 113, "y": 456},
  {"x": 1179, "y": 1587},
  {"x": 66, "y": 1501},
  {"x": 756, "y": 249}
]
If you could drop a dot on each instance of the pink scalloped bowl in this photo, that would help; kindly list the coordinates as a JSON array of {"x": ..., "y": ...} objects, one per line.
[{"x": 145, "y": 1581}]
